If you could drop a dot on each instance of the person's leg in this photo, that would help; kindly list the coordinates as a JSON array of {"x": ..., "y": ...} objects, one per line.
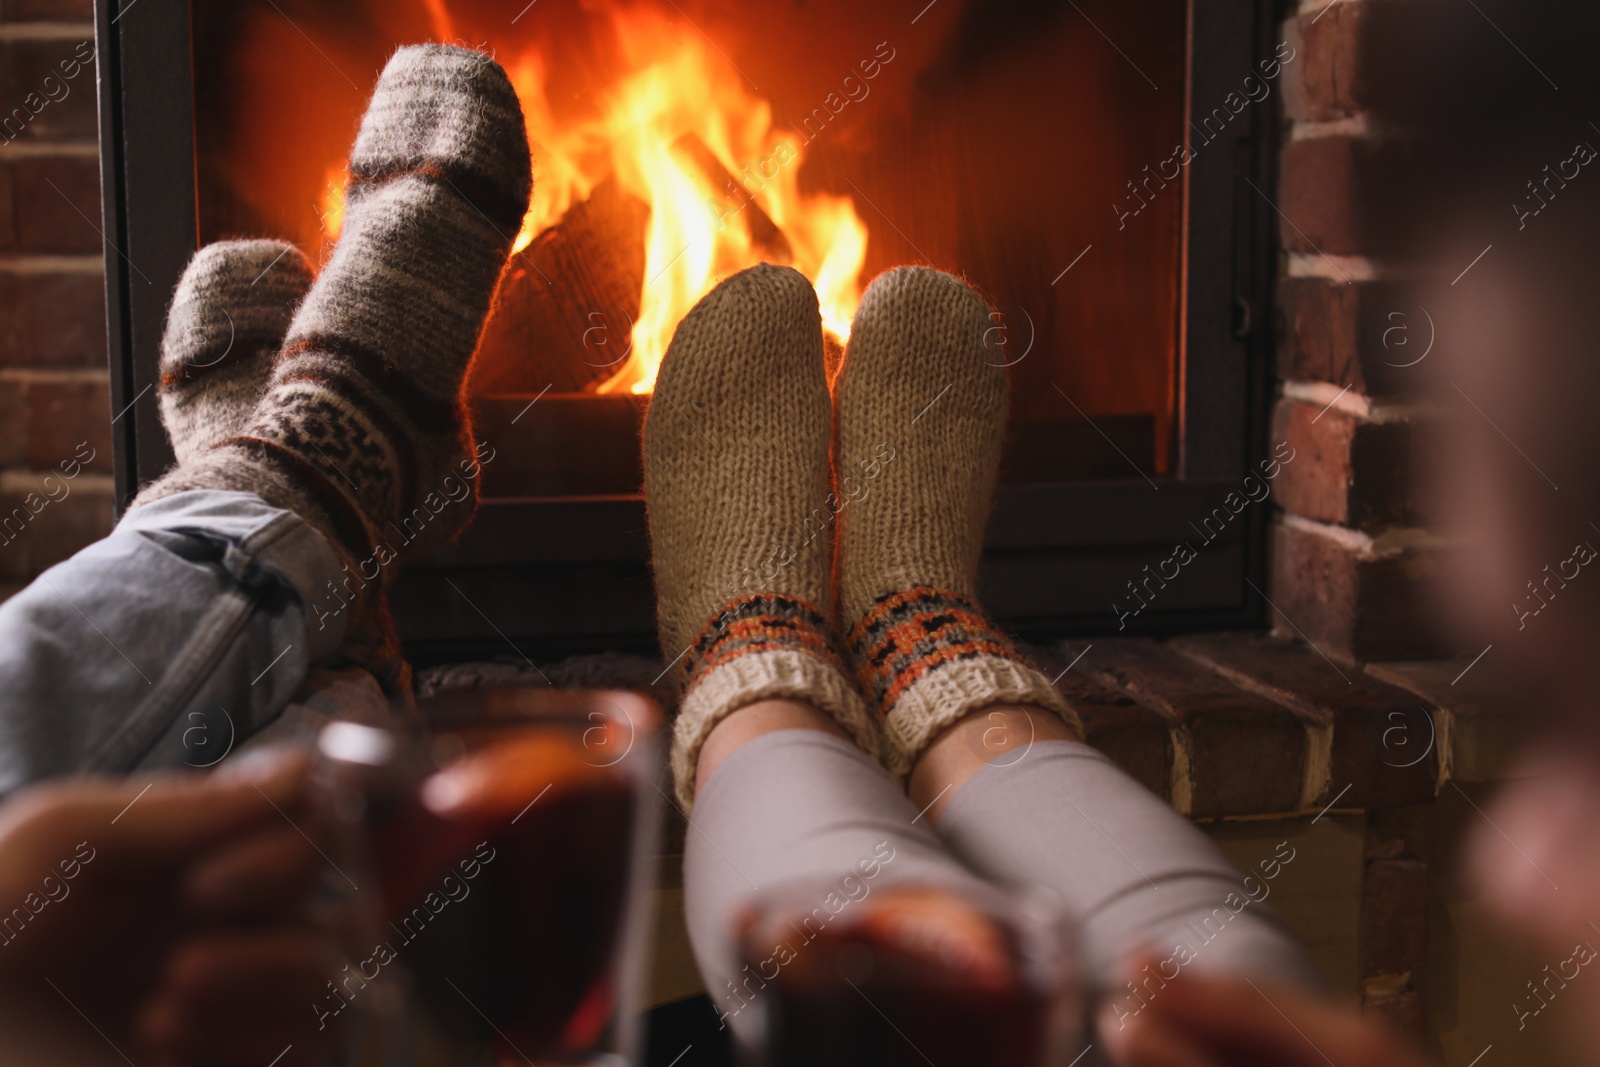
[
  {"x": 799, "y": 813},
  {"x": 229, "y": 316},
  {"x": 147, "y": 631},
  {"x": 954, "y": 694},
  {"x": 772, "y": 750},
  {"x": 184, "y": 627},
  {"x": 736, "y": 484},
  {"x": 1143, "y": 879},
  {"x": 201, "y": 613}
]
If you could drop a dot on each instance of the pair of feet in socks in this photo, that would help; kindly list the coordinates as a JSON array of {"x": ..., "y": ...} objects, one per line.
[
  {"x": 746, "y": 510},
  {"x": 782, "y": 519},
  {"x": 339, "y": 398}
]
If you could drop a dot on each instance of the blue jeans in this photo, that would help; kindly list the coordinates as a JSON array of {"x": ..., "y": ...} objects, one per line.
[{"x": 165, "y": 645}]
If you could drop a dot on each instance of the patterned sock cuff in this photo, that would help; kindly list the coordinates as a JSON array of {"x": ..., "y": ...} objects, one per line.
[
  {"x": 926, "y": 657},
  {"x": 757, "y": 648},
  {"x": 762, "y": 622},
  {"x": 342, "y": 521}
]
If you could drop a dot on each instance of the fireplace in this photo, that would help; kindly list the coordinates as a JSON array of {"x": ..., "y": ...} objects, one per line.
[{"x": 1096, "y": 169}]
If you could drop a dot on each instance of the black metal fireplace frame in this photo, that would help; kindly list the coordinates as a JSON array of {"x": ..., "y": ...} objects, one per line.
[{"x": 551, "y": 576}]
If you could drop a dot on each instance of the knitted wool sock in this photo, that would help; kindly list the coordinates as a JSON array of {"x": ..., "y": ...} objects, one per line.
[
  {"x": 736, "y": 481},
  {"x": 228, "y": 320},
  {"x": 363, "y": 430},
  {"x": 921, "y": 414}
]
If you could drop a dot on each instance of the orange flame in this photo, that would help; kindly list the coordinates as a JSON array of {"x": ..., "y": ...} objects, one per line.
[
  {"x": 679, "y": 89},
  {"x": 332, "y": 210},
  {"x": 443, "y": 28}
]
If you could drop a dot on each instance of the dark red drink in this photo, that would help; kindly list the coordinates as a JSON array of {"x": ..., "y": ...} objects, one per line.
[{"x": 505, "y": 879}]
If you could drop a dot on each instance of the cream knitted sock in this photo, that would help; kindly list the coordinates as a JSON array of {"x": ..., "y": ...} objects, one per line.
[
  {"x": 921, "y": 414},
  {"x": 736, "y": 481},
  {"x": 363, "y": 430},
  {"x": 228, "y": 320}
]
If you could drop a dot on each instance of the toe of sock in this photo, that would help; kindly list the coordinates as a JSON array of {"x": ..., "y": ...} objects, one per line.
[
  {"x": 918, "y": 324},
  {"x": 758, "y": 296},
  {"x": 453, "y": 113},
  {"x": 250, "y": 263},
  {"x": 245, "y": 274},
  {"x": 235, "y": 299},
  {"x": 764, "y": 327},
  {"x": 928, "y": 291}
]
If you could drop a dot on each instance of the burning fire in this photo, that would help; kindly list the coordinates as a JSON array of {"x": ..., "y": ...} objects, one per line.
[
  {"x": 332, "y": 209},
  {"x": 681, "y": 133}
]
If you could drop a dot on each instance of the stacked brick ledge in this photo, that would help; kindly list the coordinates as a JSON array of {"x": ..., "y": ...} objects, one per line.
[{"x": 1248, "y": 725}]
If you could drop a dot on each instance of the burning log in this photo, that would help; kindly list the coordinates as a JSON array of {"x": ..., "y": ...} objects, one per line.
[{"x": 569, "y": 300}]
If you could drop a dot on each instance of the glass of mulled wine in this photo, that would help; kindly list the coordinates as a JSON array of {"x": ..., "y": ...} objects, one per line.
[{"x": 511, "y": 859}]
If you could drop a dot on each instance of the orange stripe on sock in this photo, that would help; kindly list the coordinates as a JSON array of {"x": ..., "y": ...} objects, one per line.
[
  {"x": 909, "y": 635},
  {"x": 765, "y": 622}
]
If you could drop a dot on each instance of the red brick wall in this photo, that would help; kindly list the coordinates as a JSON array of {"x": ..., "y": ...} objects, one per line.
[
  {"x": 1351, "y": 557},
  {"x": 54, "y": 391}
]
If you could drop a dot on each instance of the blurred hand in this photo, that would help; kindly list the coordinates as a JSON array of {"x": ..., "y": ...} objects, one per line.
[
  {"x": 1534, "y": 862},
  {"x": 168, "y": 920},
  {"x": 1533, "y": 856},
  {"x": 1202, "y": 1021}
]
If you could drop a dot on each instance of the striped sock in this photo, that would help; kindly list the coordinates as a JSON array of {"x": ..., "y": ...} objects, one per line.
[
  {"x": 911, "y": 636},
  {"x": 229, "y": 316},
  {"x": 764, "y": 622},
  {"x": 364, "y": 429}
]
